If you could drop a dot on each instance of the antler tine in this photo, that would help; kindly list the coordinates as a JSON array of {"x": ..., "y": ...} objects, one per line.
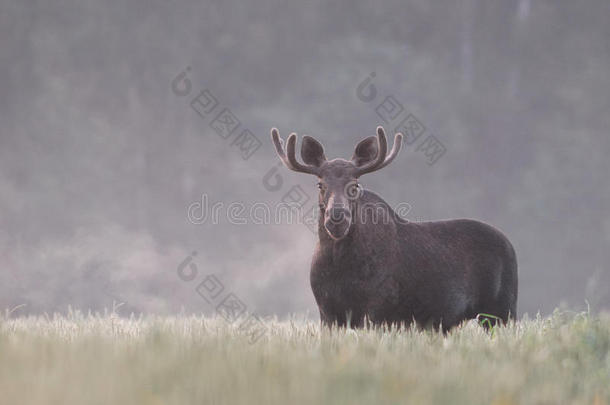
[
  {"x": 394, "y": 152},
  {"x": 289, "y": 157},
  {"x": 279, "y": 146},
  {"x": 382, "y": 150},
  {"x": 291, "y": 152}
]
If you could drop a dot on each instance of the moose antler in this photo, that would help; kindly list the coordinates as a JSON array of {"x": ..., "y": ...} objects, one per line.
[
  {"x": 394, "y": 152},
  {"x": 289, "y": 157},
  {"x": 382, "y": 148}
]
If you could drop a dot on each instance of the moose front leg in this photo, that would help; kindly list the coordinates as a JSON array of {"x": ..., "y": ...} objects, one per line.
[
  {"x": 349, "y": 318},
  {"x": 325, "y": 320},
  {"x": 329, "y": 320}
]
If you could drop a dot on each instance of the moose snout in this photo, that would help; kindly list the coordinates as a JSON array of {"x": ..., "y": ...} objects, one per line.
[{"x": 337, "y": 222}]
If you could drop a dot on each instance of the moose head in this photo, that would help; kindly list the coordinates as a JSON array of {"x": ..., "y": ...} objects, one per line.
[{"x": 338, "y": 178}]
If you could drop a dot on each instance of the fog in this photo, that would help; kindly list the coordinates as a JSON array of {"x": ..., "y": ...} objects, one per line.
[{"x": 103, "y": 148}]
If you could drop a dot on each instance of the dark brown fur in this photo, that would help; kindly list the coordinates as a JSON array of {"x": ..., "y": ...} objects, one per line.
[{"x": 371, "y": 263}]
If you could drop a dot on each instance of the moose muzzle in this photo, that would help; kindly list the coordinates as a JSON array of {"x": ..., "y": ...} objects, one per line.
[{"x": 337, "y": 221}]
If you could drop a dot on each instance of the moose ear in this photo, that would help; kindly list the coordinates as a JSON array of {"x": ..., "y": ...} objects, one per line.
[
  {"x": 312, "y": 151},
  {"x": 365, "y": 151}
]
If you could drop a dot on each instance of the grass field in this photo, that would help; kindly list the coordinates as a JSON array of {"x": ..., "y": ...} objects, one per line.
[{"x": 78, "y": 359}]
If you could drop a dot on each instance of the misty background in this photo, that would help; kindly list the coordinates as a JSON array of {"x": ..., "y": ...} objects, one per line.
[{"x": 100, "y": 159}]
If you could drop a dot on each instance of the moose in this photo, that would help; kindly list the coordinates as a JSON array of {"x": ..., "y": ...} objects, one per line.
[{"x": 373, "y": 266}]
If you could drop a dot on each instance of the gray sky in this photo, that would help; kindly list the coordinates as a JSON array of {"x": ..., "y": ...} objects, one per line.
[{"x": 100, "y": 159}]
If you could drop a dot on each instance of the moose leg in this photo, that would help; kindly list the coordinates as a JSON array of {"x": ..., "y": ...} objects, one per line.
[
  {"x": 325, "y": 320},
  {"x": 343, "y": 320}
]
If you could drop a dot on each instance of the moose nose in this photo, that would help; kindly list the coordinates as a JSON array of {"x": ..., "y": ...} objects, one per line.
[
  {"x": 339, "y": 214},
  {"x": 337, "y": 222}
]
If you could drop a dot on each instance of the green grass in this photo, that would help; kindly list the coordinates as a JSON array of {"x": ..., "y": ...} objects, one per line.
[{"x": 78, "y": 359}]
